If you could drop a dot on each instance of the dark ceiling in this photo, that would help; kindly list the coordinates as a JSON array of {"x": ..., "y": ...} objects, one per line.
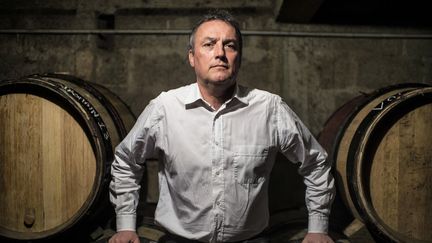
[{"x": 357, "y": 12}]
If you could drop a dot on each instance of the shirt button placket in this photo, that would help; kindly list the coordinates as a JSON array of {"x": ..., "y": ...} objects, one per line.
[{"x": 218, "y": 179}]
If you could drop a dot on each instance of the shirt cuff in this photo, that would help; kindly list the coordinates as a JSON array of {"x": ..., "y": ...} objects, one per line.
[
  {"x": 318, "y": 224},
  {"x": 126, "y": 222}
]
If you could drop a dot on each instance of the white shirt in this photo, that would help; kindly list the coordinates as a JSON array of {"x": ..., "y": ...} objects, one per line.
[{"x": 215, "y": 165}]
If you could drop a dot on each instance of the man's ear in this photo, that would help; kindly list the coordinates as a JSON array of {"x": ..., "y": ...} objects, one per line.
[{"x": 191, "y": 58}]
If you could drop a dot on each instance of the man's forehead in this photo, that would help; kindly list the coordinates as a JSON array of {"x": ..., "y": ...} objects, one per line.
[{"x": 212, "y": 28}]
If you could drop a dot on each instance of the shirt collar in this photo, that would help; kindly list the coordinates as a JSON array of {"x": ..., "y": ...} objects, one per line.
[
  {"x": 195, "y": 99},
  {"x": 194, "y": 94}
]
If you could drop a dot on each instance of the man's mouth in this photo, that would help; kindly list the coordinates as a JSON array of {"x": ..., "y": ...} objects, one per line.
[{"x": 219, "y": 66}]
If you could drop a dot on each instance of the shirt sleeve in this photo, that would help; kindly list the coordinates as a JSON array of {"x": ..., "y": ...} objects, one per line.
[
  {"x": 128, "y": 165},
  {"x": 299, "y": 146}
]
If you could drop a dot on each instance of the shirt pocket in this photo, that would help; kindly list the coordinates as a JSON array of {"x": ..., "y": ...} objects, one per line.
[{"x": 251, "y": 165}]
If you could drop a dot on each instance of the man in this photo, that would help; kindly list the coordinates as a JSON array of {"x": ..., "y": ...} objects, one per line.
[{"x": 216, "y": 142}]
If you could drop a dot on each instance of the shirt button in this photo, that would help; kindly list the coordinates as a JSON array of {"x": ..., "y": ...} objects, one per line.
[
  {"x": 218, "y": 203},
  {"x": 217, "y": 173}
]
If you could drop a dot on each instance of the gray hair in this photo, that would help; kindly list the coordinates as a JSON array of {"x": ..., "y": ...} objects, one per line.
[{"x": 217, "y": 14}]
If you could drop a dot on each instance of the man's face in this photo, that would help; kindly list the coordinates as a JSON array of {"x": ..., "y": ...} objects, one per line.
[{"x": 215, "y": 56}]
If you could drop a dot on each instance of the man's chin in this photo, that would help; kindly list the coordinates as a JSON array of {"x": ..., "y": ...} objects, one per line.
[
  {"x": 222, "y": 83},
  {"x": 222, "y": 80}
]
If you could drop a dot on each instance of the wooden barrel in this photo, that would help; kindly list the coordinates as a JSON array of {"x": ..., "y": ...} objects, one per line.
[
  {"x": 380, "y": 145},
  {"x": 57, "y": 139}
]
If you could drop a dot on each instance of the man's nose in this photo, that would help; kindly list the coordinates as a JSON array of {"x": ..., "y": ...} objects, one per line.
[{"x": 219, "y": 50}]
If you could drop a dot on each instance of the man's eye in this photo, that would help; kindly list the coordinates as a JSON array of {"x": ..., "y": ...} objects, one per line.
[
  {"x": 208, "y": 44},
  {"x": 231, "y": 46}
]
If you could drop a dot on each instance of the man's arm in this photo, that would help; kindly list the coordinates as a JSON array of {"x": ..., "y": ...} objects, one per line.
[
  {"x": 127, "y": 169},
  {"x": 298, "y": 145}
]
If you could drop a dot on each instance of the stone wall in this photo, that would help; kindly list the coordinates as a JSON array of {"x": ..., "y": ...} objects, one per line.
[{"x": 315, "y": 72}]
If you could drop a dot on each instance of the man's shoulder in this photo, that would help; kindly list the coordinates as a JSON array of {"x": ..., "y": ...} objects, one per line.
[
  {"x": 257, "y": 94},
  {"x": 181, "y": 93}
]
